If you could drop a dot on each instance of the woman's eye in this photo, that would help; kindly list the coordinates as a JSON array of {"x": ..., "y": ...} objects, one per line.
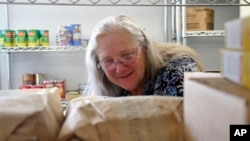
[
  {"x": 128, "y": 55},
  {"x": 107, "y": 62}
]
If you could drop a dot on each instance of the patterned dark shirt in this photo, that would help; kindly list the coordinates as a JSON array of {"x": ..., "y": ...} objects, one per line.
[{"x": 169, "y": 80}]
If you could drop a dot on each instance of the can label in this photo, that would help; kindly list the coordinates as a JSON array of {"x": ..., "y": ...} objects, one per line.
[
  {"x": 48, "y": 83},
  {"x": 1, "y": 39},
  {"x": 33, "y": 37},
  {"x": 61, "y": 85},
  {"x": 44, "y": 40},
  {"x": 28, "y": 79},
  {"x": 21, "y": 38},
  {"x": 40, "y": 77}
]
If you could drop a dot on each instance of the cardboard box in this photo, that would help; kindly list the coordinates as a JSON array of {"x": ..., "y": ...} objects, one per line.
[
  {"x": 235, "y": 66},
  {"x": 237, "y": 34},
  {"x": 211, "y": 105},
  {"x": 199, "y": 26},
  {"x": 199, "y": 18}
]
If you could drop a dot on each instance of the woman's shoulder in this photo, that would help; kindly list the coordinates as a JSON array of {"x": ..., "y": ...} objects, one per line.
[
  {"x": 177, "y": 55},
  {"x": 181, "y": 63}
]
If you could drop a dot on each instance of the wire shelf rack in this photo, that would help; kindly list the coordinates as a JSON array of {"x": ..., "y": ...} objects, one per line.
[
  {"x": 42, "y": 48},
  {"x": 128, "y": 2}
]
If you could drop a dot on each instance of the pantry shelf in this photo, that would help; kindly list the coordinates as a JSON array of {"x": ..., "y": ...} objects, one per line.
[
  {"x": 41, "y": 49},
  {"x": 212, "y": 33},
  {"x": 127, "y": 2}
]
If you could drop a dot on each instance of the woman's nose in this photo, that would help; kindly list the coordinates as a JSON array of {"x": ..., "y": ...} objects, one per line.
[{"x": 120, "y": 67}]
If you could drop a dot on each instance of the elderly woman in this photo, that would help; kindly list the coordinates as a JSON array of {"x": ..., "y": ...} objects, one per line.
[{"x": 123, "y": 61}]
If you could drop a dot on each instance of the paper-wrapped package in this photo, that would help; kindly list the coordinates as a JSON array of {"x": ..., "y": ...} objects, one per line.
[
  {"x": 134, "y": 118},
  {"x": 30, "y": 115}
]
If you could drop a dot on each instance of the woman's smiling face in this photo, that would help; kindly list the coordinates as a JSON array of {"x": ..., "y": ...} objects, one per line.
[{"x": 122, "y": 59}]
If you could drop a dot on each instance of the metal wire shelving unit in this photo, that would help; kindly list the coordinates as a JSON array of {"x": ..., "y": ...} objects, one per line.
[
  {"x": 168, "y": 6},
  {"x": 172, "y": 35},
  {"x": 41, "y": 49},
  {"x": 126, "y": 2}
]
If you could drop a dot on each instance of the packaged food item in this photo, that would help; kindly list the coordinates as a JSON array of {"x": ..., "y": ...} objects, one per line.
[
  {"x": 85, "y": 42},
  {"x": 76, "y": 34},
  {"x": 48, "y": 83},
  {"x": 44, "y": 40},
  {"x": 33, "y": 37},
  {"x": 21, "y": 38},
  {"x": 28, "y": 79},
  {"x": 8, "y": 38},
  {"x": 1, "y": 39},
  {"x": 63, "y": 36},
  {"x": 40, "y": 77},
  {"x": 60, "y": 83}
]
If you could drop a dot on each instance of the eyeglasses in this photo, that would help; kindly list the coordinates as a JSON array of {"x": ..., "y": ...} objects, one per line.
[{"x": 125, "y": 59}]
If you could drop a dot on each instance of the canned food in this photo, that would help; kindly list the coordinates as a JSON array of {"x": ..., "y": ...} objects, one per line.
[
  {"x": 48, "y": 83},
  {"x": 36, "y": 86},
  {"x": 28, "y": 79},
  {"x": 40, "y": 77},
  {"x": 1, "y": 39},
  {"x": 21, "y": 38},
  {"x": 8, "y": 38},
  {"x": 31, "y": 87},
  {"x": 44, "y": 40},
  {"x": 61, "y": 85},
  {"x": 25, "y": 87},
  {"x": 33, "y": 37},
  {"x": 85, "y": 42}
]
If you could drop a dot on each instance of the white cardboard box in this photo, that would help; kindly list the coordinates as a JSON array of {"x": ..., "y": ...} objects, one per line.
[
  {"x": 211, "y": 104},
  {"x": 235, "y": 65},
  {"x": 237, "y": 34}
]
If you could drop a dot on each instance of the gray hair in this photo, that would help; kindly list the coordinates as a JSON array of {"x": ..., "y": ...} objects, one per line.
[{"x": 98, "y": 83}]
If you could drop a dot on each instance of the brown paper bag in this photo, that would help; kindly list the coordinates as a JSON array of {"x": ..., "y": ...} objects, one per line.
[
  {"x": 144, "y": 118},
  {"x": 30, "y": 115}
]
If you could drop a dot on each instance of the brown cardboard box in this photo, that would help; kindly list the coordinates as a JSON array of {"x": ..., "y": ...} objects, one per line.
[
  {"x": 211, "y": 105},
  {"x": 199, "y": 18}
]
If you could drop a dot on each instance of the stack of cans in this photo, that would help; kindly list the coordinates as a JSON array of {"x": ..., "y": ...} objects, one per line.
[{"x": 24, "y": 38}]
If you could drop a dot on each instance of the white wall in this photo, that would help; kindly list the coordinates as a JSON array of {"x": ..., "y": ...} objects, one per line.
[
  {"x": 69, "y": 65},
  {"x": 50, "y": 17}
]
